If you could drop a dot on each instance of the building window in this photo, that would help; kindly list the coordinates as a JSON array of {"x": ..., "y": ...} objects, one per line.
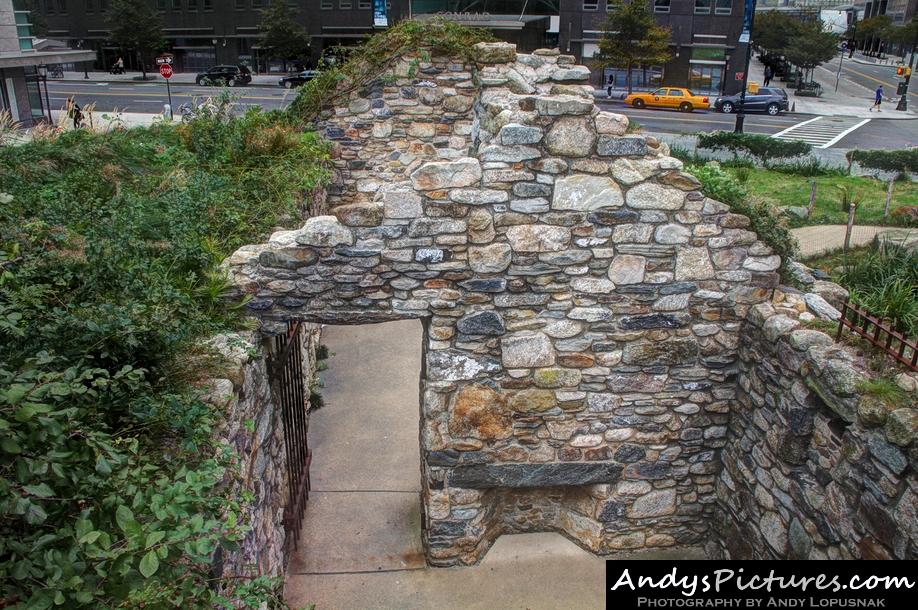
[
  {"x": 344, "y": 5},
  {"x": 62, "y": 6},
  {"x": 160, "y": 5},
  {"x": 176, "y": 5},
  {"x": 723, "y": 7},
  {"x": 207, "y": 5},
  {"x": 661, "y": 6},
  {"x": 192, "y": 5},
  {"x": 103, "y": 6},
  {"x": 326, "y": 5},
  {"x": 89, "y": 6},
  {"x": 364, "y": 4},
  {"x": 240, "y": 5},
  {"x": 703, "y": 7},
  {"x": 256, "y": 3},
  {"x": 591, "y": 5},
  {"x": 612, "y": 5}
]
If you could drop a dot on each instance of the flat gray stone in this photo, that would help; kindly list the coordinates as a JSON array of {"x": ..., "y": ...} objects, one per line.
[{"x": 486, "y": 476}]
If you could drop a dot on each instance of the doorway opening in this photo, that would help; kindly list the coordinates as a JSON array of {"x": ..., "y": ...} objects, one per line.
[{"x": 364, "y": 512}]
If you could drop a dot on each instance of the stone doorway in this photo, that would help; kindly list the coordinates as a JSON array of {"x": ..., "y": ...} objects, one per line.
[{"x": 364, "y": 510}]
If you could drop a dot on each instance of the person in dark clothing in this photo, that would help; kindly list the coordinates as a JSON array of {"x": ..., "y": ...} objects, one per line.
[
  {"x": 768, "y": 74},
  {"x": 76, "y": 113}
]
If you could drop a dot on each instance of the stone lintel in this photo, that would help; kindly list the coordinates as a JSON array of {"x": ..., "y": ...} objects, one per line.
[{"x": 485, "y": 476}]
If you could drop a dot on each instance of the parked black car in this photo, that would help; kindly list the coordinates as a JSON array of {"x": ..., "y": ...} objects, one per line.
[
  {"x": 231, "y": 76},
  {"x": 768, "y": 99},
  {"x": 295, "y": 80}
]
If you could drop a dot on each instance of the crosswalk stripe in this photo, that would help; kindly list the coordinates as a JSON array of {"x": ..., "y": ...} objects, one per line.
[{"x": 820, "y": 131}]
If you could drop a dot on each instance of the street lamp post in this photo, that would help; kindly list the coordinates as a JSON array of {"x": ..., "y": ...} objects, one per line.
[
  {"x": 746, "y": 36},
  {"x": 43, "y": 75}
]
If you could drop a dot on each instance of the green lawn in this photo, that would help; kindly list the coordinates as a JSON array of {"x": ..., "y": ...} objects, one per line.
[{"x": 790, "y": 190}]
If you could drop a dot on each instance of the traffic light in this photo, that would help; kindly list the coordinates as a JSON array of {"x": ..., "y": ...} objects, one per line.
[{"x": 903, "y": 71}]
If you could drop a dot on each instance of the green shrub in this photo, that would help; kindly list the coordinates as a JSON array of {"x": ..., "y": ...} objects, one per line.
[
  {"x": 807, "y": 168},
  {"x": 897, "y": 161},
  {"x": 379, "y": 53},
  {"x": 766, "y": 220},
  {"x": 113, "y": 493},
  {"x": 761, "y": 147},
  {"x": 884, "y": 280}
]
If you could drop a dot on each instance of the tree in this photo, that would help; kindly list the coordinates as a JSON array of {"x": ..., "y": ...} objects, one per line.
[
  {"x": 774, "y": 31},
  {"x": 875, "y": 29},
  {"x": 811, "y": 47},
  {"x": 135, "y": 25},
  {"x": 37, "y": 19},
  {"x": 281, "y": 32},
  {"x": 631, "y": 37}
]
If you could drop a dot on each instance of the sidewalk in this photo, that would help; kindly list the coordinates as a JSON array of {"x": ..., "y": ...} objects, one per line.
[
  {"x": 182, "y": 79},
  {"x": 360, "y": 544},
  {"x": 851, "y": 99},
  {"x": 819, "y": 239}
]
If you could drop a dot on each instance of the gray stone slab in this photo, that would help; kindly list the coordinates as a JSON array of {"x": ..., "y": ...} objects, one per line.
[{"x": 484, "y": 476}]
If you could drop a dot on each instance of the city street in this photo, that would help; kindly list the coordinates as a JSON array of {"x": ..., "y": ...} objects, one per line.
[
  {"x": 868, "y": 76},
  {"x": 150, "y": 97},
  {"x": 877, "y": 133}
]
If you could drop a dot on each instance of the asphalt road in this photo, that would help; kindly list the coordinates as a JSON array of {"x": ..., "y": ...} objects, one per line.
[
  {"x": 878, "y": 133},
  {"x": 869, "y": 76},
  {"x": 150, "y": 97}
]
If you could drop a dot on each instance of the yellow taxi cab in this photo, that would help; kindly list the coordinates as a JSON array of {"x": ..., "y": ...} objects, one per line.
[{"x": 669, "y": 97}]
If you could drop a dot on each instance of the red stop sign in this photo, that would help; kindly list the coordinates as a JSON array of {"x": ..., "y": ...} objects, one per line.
[{"x": 165, "y": 71}]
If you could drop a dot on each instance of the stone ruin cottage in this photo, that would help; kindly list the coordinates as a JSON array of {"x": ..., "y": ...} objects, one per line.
[{"x": 608, "y": 353}]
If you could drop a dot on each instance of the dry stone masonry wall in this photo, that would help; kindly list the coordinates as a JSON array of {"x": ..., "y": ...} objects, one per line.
[
  {"x": 584, "y": 303},
  {"x": 813, "y": 468},
  {"x": 253, "y": 431}
]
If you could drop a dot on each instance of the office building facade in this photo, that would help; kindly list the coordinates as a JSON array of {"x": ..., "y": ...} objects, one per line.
[{"x": 202, "y": 33}]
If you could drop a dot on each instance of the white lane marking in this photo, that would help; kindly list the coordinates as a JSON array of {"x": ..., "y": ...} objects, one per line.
[
  {"x": 844, "y": 133},
  {"x": 784, "y": 131}
]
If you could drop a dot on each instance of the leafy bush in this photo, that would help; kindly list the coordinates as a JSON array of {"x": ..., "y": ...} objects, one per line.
[
  {"x": 884, "y": 280},
  {"x": 380, "y": 52},
  {"x": 906, "y": 216},
  {"x": 113, "y": 491},
  {"x": 807, "y": 168},
  {"x": 766, "y": 220},
  {"x": 761, "y": 147},
  {"x": 897, "y": 161}
]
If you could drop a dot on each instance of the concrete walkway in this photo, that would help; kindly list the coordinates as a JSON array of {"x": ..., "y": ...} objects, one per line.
[
  {"x": 819, "y": 239},
  {"x": 360, "y": 546}
]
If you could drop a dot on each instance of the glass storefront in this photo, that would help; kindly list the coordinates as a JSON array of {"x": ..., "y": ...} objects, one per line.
[
  {"x": 706, "y": 79},
  {"x": 33, "y": 89},
  {"x": 644, "y": 78}
]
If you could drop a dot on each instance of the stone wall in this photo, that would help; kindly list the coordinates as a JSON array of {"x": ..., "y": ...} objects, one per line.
[
  {"x": 253, "y": 430},
  {"x": 583, "y": 301},
  {"x": 813, "y": 468}
]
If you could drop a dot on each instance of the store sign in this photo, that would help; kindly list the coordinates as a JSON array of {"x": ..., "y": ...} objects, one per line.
[
  {"x": 708, "y": 53},
  {"x": 380, "y": 14}
]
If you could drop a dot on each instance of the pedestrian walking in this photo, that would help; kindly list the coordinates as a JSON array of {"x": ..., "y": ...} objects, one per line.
[
  {"x": 768, "y": 74},
  {"x": 75, "y": 113},
  {"x": 878, "y": 99},
  {"x": 609, "y": 85}
]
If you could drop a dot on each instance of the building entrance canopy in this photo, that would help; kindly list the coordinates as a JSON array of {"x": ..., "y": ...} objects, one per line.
[{"x": 469, "y": 10}]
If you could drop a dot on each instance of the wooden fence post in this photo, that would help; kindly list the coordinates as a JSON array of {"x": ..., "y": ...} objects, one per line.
[
  {"x": 809, "y": 209},
  {"x": 851, "y": 210},
  {"x": 889, "y": 192}
]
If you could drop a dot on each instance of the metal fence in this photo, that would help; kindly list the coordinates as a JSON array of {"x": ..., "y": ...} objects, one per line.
[
  {"x": 894, "y": 344},
  {"x": 289, "y": 387}
]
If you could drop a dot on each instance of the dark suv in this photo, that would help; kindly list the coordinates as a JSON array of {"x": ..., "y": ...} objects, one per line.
[
  {"x": 225, "y": 75},
  {"x": 768, "y": 99}
]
